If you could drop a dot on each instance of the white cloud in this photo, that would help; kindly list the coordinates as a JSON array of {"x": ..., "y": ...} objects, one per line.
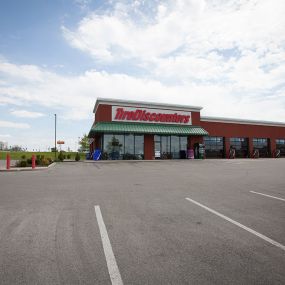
[
  {"x": 14, "y": 125},
  {"x": 5, "y": 136},
  {"x": 26, "y": 114},
  {"x": 228, "y": 56}
]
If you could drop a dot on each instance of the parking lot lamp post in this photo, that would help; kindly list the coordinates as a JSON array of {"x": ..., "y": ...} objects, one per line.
[{"x": 54, "y": 136}]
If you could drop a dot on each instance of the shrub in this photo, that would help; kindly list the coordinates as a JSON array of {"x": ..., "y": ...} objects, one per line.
[
  {"x": 64, "y": 156},
  {"x": 60, "y": 156},
  {"x": 68, "y": 156},
  {"x": 77, "y": 157},
  {"x": 45, "y": 162},
  {"x": 23, "y": 156},
  {"x": 21, "y": 163}
]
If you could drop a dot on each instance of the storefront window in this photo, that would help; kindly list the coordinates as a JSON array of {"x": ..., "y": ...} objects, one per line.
[
  {"x": 261, "y": 144},
  {"x": 139, "y": 146},
  {"x": 214, "y": 147},
  {"x": 129, "y": 146},
  {"x": 175, "y": 147},
  {"x": 165, "y": 146},
  {"x": 280, "y": 145},
  {"x": 240, "y": 145},
  {"x": 113, "y": 146}
]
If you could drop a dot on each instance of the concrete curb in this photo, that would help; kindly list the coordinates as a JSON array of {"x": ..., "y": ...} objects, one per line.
[
  {"x": 27, "y": 168},
  {"x": 135, "y": 161}
]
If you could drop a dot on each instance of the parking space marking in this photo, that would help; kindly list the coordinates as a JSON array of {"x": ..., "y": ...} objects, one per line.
[
  {"x": 113, "y": 269},
  {"x": 267, "y": 195},
  {"x": 239, "y": 224}
]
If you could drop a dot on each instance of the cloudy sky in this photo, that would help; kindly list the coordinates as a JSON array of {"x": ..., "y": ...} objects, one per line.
[{"x": 58, "y": 56}]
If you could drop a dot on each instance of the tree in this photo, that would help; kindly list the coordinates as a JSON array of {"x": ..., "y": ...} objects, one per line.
[{"x": 84, "y": 143}]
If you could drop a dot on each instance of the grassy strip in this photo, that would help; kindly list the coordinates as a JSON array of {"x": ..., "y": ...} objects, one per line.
[{"x": 17, "y": 155}]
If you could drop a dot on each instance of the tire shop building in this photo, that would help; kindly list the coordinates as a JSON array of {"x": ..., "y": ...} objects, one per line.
[{"x": 125, "y": 129}]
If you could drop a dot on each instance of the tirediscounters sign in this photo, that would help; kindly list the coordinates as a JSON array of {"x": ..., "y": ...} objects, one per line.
[{"x": 145, "y": 115}]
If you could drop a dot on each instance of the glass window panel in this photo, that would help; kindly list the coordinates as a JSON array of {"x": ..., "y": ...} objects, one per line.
[
  {"x": 139, "y": 146},
  {"x": 175, "y": 146},
  {"x": 183, "y": 143},
  {"x": 114, "y": 146},
  {"x": 129, "y": 144}
]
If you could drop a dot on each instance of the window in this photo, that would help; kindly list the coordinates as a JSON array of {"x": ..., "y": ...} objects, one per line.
[
  {"x": 139, "y": 146},
  {"x": 175, "y": 146},
  {"x": 170, "y": 146},
  {"x": 113, "y": 146},
  {"x": 127, "y": 146},
  {"x": 240, "y": 145},
  {"x": 280, "y": 145},
  {"x": 261, "y": 144},
  {"x": 214, "y": 147}
]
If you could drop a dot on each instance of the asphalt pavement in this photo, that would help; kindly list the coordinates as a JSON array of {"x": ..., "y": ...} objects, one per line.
[{"x": 50, "y": 233}]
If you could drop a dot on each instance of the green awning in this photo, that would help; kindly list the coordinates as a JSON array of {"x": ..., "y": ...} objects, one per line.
[{"x": 144, "y": 128}]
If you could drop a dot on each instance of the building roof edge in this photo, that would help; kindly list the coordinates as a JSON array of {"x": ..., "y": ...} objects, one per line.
[
  {"x": 132, "y": 103},
  {"x": 241, "y": 121}
]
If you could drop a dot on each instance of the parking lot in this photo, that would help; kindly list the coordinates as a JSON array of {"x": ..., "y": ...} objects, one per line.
[{"x": 161, "y": 222}]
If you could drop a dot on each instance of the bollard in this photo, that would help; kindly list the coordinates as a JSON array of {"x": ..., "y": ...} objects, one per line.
[
  {"x": 33, "y": 161},
  {"x": 8, "y": 161}
]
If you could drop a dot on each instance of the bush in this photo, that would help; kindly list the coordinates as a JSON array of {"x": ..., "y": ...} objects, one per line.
[
  {"x": 23, "y": 156},
  {"x": 60, "y": 156},
  {"x": 68, "y": 156},
  {"x": 22, "y": 163},
  {"x": 45, "y": 162},
  {"x": 77, "y": 157}
]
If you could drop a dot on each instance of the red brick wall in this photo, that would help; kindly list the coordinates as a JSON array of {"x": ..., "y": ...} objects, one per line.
[
  {"x": 195, "y": 118},
  {"x": 103, "y": 113},
  {"x": 229, "y": 130}
]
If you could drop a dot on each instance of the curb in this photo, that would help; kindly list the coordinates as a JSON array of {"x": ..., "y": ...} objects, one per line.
[{"x": 27, "y": 168}]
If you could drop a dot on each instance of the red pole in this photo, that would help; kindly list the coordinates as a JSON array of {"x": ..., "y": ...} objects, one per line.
[
  {"x": 8, "y": 161},
  {"x": 33, "y": 161}
]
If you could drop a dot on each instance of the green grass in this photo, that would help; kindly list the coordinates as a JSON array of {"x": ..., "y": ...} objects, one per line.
[{"x": 17, "y": 155}]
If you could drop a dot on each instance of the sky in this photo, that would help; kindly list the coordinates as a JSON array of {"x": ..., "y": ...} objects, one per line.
[{"x": 58, "y": 56}]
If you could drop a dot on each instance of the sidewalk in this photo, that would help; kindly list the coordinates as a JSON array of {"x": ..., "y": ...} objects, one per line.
[{"x": 12, "y": 169}]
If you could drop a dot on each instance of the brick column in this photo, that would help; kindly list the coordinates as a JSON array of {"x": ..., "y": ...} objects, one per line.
[
  {"x": 227, "y": 147},
  {"x": 272, "y": 146},
  {"x": 194, "y": 139},
  {"x": 148, "y": 147}
]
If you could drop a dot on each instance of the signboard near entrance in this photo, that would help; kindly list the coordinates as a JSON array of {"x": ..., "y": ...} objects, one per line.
[{"x": 146, "y": 115}]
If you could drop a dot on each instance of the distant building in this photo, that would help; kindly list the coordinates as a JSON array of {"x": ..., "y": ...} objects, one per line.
[{"x": 3, "y": 145}]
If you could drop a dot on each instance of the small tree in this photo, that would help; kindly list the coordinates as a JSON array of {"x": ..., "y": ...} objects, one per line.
[
  {"x": 77, "y": 157},
  {"x": 60, "y": 156},
  {"x": 84, "y": 143}
]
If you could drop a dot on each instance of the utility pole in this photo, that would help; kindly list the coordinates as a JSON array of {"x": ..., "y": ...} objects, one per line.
[{"x": 54, "y": 136}]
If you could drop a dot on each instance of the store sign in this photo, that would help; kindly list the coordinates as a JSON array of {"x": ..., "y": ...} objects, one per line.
[{"x": 145, "y": 115}]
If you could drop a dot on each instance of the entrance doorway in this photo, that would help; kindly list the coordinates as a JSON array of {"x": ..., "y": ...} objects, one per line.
[{"x": 167, "y": 147}]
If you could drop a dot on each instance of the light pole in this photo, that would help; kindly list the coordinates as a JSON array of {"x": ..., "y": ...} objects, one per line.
[{"x": 54, "y": 136}]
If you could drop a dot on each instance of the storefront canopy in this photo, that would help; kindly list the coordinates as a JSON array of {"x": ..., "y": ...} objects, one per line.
[{"x": 143, "y": 128}]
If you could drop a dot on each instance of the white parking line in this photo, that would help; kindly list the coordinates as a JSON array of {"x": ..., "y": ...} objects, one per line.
[
  {"x": 239, "y": 225},
  {"x": 113, "y": 269},
  {"x": 267, "y": 195}
]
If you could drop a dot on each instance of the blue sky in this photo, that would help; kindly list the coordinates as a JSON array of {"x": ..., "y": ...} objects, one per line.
[{"x": 59, "y": 56}]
